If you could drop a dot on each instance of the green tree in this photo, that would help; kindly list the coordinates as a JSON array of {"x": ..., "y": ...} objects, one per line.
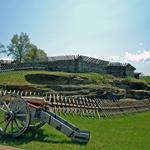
[
  {"x": 34, "y": 54},
  {"x": 2, "y": 49},
  {"x": 18, "y": 47}
]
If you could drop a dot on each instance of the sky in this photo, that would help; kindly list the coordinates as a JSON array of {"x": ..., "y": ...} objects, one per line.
[{"x": 115, "y": 30}]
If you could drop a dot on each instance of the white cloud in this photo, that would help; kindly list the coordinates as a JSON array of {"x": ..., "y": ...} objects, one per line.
[
  {"x": 6, "y": 58},
  {"x": 139, "y": 51},
  {"x": 138, "y": 57},
  {"x": 147, "y": 74},
  {"x": 113, "y": 58}
]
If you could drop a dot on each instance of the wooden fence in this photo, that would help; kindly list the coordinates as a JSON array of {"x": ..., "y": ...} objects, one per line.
[
  {"x": 74, "y": 63},
  {"x": 84, "y": 106}
]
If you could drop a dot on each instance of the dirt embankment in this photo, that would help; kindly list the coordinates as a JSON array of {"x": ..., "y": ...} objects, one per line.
[
  {"x": 73, "y": 86},
  {"x": 137, "y": 90}
]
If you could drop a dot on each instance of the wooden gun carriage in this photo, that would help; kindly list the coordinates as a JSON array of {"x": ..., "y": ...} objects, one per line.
[{"x": 20, "y": 113}]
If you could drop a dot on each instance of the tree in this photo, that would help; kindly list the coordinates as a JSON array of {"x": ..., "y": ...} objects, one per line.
[
  {"x": 34, "y": 54},
  {"x": 21, "y": 50},
  {"x": 18, "y": 47},
  {"x": 2, "y": 48}
]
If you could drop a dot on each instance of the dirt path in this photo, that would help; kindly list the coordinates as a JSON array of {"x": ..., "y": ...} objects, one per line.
[{"x": 8, "y": 148}]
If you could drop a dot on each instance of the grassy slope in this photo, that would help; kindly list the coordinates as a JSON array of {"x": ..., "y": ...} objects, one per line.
[
  {"x": 126, "y": 133},
  {"x": 18, "y": 77},
  {"x": 146, "y": 78}
]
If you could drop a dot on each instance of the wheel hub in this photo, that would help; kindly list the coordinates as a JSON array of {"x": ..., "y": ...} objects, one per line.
[{"x": 10, "y": 115}]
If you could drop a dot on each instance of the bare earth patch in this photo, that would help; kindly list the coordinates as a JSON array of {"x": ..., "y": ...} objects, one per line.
[{"x": 8, "y": 148}]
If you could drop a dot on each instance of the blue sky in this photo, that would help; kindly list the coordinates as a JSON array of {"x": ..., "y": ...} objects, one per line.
[{"x": 117, "y": 30}]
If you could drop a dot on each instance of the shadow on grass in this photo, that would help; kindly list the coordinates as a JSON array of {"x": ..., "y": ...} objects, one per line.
[{"x": 36, "y": 136}]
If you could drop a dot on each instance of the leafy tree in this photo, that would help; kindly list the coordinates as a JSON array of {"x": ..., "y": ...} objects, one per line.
[
  {"x": 34, "y": 54},
  {"x": 2, "y": 48},
  {"x": 18, "y": 47},
  {"x": 21, "y": 50}
]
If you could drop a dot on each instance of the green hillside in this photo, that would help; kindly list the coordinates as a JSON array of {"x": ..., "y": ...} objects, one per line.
[
  {"x": 146, "y": 78},
  {"x": 18, "y": 77},
  {"x": 69, "y": 84}
]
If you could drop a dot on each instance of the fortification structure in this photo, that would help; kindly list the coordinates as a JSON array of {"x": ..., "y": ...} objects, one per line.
[
  {"x": 76, "y": 63},
  {"x": 80, "y": 63}
]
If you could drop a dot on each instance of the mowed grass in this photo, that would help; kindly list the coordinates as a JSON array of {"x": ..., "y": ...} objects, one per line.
[{"x": 128, "y": 132}]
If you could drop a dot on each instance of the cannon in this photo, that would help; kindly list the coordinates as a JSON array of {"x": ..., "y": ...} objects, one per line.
[{"x": 19, "y": 114}]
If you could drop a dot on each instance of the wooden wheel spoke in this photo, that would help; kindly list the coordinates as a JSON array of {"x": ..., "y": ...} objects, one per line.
[
  {"x": 16, "y": 104},
  {"x": 3, "y": 110},
  {"x": 21, "y": 115},
  {"x": 21, "y": 122},
  {"x": 12, "y": 125},
  {"x": 17, "y": 125},
  {"x": 5, "y": 129},
  {"x": 7, "y": 107},
  {"x": 19, "y": 109}
]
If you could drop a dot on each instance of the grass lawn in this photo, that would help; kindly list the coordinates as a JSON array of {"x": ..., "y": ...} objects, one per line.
[{"x": 131, "y": 132}]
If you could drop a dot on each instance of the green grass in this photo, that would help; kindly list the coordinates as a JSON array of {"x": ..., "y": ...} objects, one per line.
[
  {"x": 146, "y": 78},
  {"x": 18, "y": 77},
  {"x": 131, "y": 132},
  {"x": 98, "y": 78},
  {"x": 131, "y": 79}
]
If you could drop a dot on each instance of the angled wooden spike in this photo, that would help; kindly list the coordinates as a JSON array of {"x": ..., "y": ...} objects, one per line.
[{"x": 21, "y": 93}]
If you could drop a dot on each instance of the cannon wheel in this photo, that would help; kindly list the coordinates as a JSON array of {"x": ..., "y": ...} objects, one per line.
[{"x": 15, "y": 116}]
